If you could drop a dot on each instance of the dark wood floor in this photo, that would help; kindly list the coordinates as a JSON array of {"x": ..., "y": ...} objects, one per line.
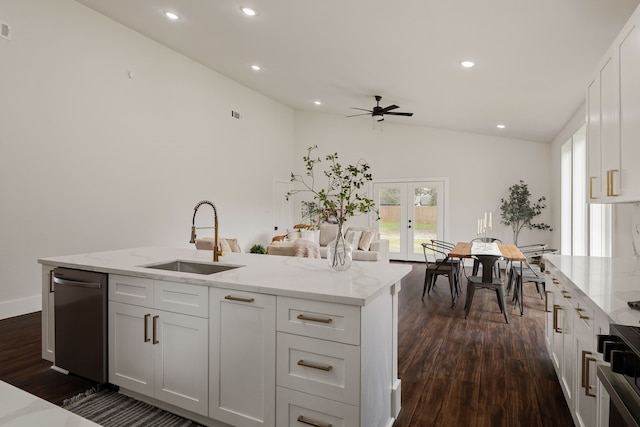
[{"x": 455, "y": 372}]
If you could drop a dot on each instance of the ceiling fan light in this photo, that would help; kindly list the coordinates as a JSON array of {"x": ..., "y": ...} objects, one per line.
[{"x": 378, "y": 117}]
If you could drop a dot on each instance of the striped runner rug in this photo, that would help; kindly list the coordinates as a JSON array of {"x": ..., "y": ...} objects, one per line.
[{"x": 111, "y": 409}]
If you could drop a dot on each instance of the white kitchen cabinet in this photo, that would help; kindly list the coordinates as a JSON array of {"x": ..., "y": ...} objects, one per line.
[
  {"x": 628, "y": 53},
  {"x": 613, "y": 120},
  {"x": 242, "y": 354},
  {"x": 333, "y": 363},
  {"x": 48, "y": 315},
  {"x": 573, "y": 323},
  {"x": 162, "y": 354}
]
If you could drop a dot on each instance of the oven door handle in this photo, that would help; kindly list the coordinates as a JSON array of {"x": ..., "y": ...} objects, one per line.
[{"x": 622, "y": 395}]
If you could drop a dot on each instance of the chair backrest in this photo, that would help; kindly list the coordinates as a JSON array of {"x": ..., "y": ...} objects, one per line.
[
  {"x": 441, "y": 244},
  {"x": 433, "y": 253},
  {"x": 487, "y": 262}
]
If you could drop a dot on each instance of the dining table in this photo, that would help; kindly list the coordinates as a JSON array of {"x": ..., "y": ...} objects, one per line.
[{"x": 509, "y": 252}]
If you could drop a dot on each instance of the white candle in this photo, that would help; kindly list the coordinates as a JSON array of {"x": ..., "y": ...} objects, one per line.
[
  {"x": 485, "y": 223},
  {"x": 490, "y": 222}
]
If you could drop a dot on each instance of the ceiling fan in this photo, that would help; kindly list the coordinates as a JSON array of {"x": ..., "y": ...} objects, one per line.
[{"x": 378, "y": 112}]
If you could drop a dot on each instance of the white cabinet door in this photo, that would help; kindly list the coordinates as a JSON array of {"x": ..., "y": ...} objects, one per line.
[
  {"x": 130, "y": 347},
  {"x": 610, "y": 132},
  {"x": 568, "y": 368},
  {"x": 628, "y": 51},
  {"x": 586, "y": 398},
  {"x": 180, "y": 359},
  {"x": 159, "y": 354},
  {"x": 594, "y": 145},
  {"x": 242, "y": 358}
]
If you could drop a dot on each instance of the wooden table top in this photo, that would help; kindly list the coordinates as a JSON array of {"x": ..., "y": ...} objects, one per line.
[{"x": 463, "y": 250}]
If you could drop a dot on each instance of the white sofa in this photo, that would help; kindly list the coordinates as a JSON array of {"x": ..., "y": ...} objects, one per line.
[{"x": 367, "y": 244}]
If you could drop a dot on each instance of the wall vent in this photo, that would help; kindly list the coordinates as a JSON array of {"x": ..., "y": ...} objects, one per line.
[
  {"x": 5, "y": 31},
  {"x": 235, "y": 114}
]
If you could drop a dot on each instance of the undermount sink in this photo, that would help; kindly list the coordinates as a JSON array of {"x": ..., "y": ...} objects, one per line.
[{"x": 192, "y": 267}]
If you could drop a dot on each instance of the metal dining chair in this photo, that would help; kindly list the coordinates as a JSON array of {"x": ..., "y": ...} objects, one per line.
[
  {"x": 487, "y": 281},
  {"x": 438, "y": 263}
]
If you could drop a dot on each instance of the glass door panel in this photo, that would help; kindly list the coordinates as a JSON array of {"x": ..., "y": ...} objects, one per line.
[{"x": 425, "y": 224}]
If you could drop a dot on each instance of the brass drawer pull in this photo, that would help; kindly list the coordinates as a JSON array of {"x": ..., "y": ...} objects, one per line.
[
  {"x": 610, "y": 190},
  {"x": 591, "y": 178},
  {"x": 580, "y": 315},
  {"x": 587, "y": 386},
  {"x": 232, "y": 298},
  {"x": 155, "y": 331},
  {"x": 303, "y": 420},
  {"x": 556, "y": 307},
  {"x": 546, "y": 301},
  {"x": 315, "y": 365},
  {"x": 146, "y": 331},
  {"x": 566, "y": 294},
  {"x": 314, "y": 319}
]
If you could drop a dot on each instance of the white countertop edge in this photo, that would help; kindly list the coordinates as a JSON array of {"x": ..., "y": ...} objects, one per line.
[{"x": 117, "y": 262}]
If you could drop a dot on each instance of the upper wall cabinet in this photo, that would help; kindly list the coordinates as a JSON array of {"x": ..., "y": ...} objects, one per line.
[{"x": 613, "y": 121}]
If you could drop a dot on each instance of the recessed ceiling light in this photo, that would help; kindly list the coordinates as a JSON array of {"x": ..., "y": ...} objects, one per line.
[
  {"x": 255, "y": 67},
  {"x": 248, "y": 11},
  {"x": 317, "y": 102},
  {"x": 468, "y": 64},
  {"x": 501, "y": 126},
  {"x": 171, "y": 16}
]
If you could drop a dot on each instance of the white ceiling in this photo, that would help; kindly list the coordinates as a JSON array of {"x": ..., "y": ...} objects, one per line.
[{"x": 534, "y": 57}]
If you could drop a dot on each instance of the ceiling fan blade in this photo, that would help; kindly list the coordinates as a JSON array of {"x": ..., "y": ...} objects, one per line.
[
  {"x": 400, "y": 114},
  {"x": 389, "y": 108},
  {"x": 363, "y": 114},
  {"x": 363, "y": 109}
]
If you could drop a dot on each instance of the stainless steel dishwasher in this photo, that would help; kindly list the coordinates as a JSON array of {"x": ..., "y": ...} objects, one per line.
[{"x": 81, "y": 322}]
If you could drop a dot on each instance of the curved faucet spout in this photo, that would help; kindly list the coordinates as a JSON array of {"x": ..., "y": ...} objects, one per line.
[{"x": 216, "y": 246}]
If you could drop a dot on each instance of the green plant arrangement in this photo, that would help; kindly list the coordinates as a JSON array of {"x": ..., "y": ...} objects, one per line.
[
  {"x": 257, "y": 249},
  {"x": 342, "y": 196},
  {"x": 518, "y": 211}
]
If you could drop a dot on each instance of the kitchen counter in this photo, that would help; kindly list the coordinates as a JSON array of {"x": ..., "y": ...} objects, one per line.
[
  {"x": 608, "y": 282},
  {"x": 275, "y": 275},
  {"x": 21, "y": 409}
]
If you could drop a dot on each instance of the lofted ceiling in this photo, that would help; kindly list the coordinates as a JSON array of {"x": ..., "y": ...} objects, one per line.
[{"x": 533, "y": 58}]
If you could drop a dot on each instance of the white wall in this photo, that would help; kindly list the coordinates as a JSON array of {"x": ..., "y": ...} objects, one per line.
[
  {"x": 480, "y": 168},
  {"x": 93, "y": 160}
]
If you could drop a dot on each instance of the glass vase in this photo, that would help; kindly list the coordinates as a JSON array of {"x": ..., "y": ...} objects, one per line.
[{"x": 339, "y": 253}]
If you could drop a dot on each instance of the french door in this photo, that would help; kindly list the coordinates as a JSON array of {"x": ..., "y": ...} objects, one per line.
[{"x": 411, "y": 213}]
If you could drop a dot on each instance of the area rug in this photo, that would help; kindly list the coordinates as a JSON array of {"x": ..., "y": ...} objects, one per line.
[{"x": 111, "y": 409}]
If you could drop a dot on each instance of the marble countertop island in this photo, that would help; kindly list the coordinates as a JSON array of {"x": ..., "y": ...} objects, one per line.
[
  {"x": 269, "y": 274},
  {"x": 21, "y": 409},
  {"x": 608, "y": 282}
]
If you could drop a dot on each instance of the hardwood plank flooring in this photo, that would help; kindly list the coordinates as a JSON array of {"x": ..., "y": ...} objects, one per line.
[{"x": 455, "y": 372}]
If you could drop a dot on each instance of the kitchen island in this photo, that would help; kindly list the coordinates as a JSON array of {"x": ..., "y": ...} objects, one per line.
[{"x": 276, "y": 341}]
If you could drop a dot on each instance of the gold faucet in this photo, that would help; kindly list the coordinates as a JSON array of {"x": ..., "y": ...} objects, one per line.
[{"x": 216, "y": 245}]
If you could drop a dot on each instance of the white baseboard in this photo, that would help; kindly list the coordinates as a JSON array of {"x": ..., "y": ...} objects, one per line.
[{"x": 18, "y": 307}]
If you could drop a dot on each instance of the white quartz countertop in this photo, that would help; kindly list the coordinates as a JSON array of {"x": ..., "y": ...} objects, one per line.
[
  {"x": 269, "y": 274},
  {"x": 608, "y": 282},
  {"x": 21, "y": 409}
]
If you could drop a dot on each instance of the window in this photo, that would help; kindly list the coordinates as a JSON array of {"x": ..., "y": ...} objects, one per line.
[{"x": 585, "y": 229}]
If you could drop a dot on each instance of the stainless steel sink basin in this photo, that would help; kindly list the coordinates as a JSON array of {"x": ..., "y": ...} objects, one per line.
[{"x": 192, "y": 267}]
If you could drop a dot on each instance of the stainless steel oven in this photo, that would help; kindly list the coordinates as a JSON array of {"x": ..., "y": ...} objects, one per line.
[{"x": 621, "y": 348}]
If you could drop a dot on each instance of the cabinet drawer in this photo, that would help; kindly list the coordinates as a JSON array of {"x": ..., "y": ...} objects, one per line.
[
  {"x": 182, "y": 298},
  {"x": 319, "y": 367},
  {"x": 329, "y": 321},
  {"x": 296, "y": 409},
  {"x": 131, "y": 290}
]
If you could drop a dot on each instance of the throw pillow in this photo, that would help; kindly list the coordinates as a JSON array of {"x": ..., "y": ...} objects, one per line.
[
  {"x": 328, "y": 232},
  {"x": 225, "y": 246},
  {"x": 366, "y": 239},
  {"x": 293, "y": 235},
  {"x": 233, "y": 244},
  {"x": 353, "y": 237},
  {"x": 309, "y": 235}
]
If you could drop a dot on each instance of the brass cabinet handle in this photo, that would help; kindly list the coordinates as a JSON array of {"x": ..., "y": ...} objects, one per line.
[
  {"x": 155, "y": 332},
  {"x": 610, "y": 190},
  {"x": 314, "y": 319},
  {"x": 584, "y": 380},
  {"x": 232, "y": 298},
  {"x": 315, "y": 365},
  {"x": 555, "y": 281},
  {"x": 566, "y": 294},
  {"x": 146, "y": 332},
  {"x": 591, "y": 178},
  {"x": 580, "y": 315},
  {"x": 556, "y": 308},
  {"x": 303, "y": 420},
  {"x": 587, "y": 386},
  {"x": 546, "y": 301}
]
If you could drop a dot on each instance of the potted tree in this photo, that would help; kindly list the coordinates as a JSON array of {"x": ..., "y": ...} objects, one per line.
[
  {"x": 518, "y": 211},
  {"x": 343, "y": 196}
]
